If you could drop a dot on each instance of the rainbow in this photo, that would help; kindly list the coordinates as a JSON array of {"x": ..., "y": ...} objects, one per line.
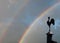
[
  {"x": 26, "y": 32},
  {"x": 4, "y": 32}
]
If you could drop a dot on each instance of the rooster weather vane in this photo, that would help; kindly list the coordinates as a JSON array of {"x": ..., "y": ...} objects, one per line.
[
  {"x": 49, "y": 35},
  {"x": 50, "y": 21}
]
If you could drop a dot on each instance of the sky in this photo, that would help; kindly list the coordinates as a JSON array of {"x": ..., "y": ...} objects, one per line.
[
  {"x": 17, "y": 15},
  {"x": 36, "y": 33}
]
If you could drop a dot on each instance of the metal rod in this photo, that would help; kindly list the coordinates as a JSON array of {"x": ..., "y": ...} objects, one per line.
[{"x": 49, "y": 29}]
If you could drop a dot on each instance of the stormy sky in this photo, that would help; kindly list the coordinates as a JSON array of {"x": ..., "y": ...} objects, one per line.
[{"x": 17, "y": 15}]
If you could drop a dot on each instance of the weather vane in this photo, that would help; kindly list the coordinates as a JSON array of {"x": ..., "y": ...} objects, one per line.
[{"x": 50, "y": 21}]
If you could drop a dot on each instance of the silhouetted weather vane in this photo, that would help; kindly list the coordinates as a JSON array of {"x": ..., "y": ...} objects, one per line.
[{"x": 50, "y": 21}]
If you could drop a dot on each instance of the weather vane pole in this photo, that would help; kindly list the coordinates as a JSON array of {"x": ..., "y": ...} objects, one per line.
[{"x": 49, "y": 22}]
